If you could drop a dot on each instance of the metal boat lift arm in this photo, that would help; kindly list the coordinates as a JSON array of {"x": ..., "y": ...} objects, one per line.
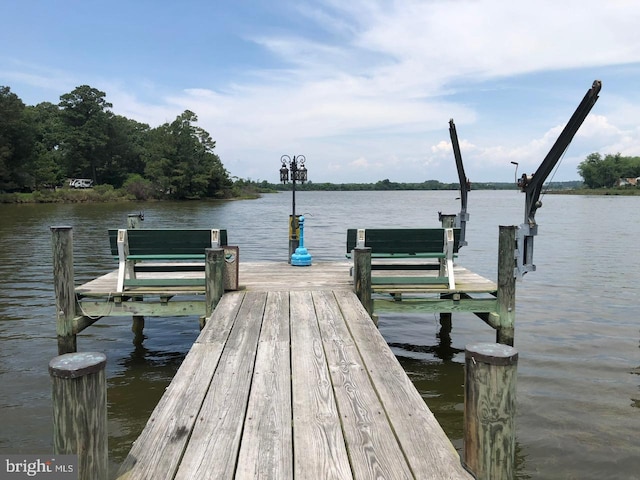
[
  {"x": 463, "y": 217},
  {"x": 532, "y": 185}
]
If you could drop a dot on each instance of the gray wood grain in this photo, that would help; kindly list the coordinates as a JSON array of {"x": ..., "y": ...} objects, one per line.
[
  {"x": 319, "y": 447},
  {"x": 267, "y": 443},
  {"x": 213, "y": 447}
]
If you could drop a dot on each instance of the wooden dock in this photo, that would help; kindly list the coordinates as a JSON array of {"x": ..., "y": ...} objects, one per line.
[
  {"x": 265, "y": 276},
  {"x": 289, "y": 377},
  {"x": 291, "y": 384}
]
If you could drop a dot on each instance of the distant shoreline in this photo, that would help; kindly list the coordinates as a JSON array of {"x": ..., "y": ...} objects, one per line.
[
  {"x": 111, "y": 196},
  {"x": 622, "y": 192}
]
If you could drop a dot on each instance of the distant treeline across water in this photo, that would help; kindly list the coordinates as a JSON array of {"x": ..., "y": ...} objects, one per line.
[{"x": 426, "y": 185}]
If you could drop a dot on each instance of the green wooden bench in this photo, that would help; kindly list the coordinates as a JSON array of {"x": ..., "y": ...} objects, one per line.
[
  {"x": 409, "y": 243},
  {"x": 172, "y": 247}
]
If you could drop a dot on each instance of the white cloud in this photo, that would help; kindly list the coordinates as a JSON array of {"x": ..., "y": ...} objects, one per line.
[
  {"x": 367, "y": 93},
  {"x": 395, "y": 60}
]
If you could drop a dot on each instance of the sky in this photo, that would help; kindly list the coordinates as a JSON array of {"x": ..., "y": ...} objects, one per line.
[{"x": 364, "y": 89}]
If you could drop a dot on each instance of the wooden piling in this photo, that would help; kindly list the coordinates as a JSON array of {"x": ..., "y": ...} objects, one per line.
[
  {"x": 62, "y": 246},
  {"x": 362, "y": 277},
  {"x": 447, "y": 220},
  {"x": 489, "y": 410},
  {"x": 506, "y": 294},
  {"x": 80, "y": 411},
  {"x": 214, "y": 279},
  {"x": 137, "y": 326},
  {"x": 134, "y": 219}
]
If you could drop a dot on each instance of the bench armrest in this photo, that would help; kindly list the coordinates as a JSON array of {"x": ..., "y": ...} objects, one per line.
[{"x": 124, "y": 265}]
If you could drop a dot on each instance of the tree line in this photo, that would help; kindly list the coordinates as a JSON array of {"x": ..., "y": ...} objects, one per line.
[
  {"x": 386, "y": 184},
  {"x": 604, "y": 172},
  {"x": 42, "y": 146}
]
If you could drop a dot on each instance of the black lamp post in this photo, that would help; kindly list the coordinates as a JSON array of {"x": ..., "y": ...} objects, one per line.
[{"x": 298, "y": 171}]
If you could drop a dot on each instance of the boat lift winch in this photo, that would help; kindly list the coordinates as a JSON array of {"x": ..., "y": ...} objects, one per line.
[{"x": 531, "y": 185}]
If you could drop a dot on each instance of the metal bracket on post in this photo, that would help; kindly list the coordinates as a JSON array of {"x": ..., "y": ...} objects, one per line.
[{"x": 524, "y": 250}]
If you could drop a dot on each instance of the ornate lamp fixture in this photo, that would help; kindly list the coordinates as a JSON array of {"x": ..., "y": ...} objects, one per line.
[{"x": 295, "y": 167}]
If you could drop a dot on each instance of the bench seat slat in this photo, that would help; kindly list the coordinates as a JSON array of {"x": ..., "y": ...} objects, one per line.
[
  {"x": 173, "y": 267},
  {"x": 168, "y": 256},
  {"x": 409, "y": 255},
  {"x": 406, "y": 255},
  {"x": 164, "y": 282},
  {"x": 405, "y": 266},
  {"x": 409, "y": 280}
]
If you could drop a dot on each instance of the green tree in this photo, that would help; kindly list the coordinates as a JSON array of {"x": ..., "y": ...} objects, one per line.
[
  {"x": 16, "y": 142},
  {"x": 123, "y": 155},
  {"x": 85, "y": 135},
  {"x": 385, "y": 184},
  {"x": 629, "y": 167},
  {"x": 181, "y": 162},
  {"x": 45, "y": 163},
  {"x": 598, "y": 172}
]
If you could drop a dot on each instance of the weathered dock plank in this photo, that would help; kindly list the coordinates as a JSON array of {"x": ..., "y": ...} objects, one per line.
[
  {"x": 371, "y": 443},
  {"x": 293, "y": 384},
  {"x": 157, "y": 452},
  {"x": 429, "y": 452},
  {"x": 266, "y": 450},
  {"x": 215, "y": 439},
  {"x": 319, "y": 446}
]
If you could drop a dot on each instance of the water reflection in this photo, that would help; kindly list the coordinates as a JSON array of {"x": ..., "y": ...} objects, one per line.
[
  {"x": 439, "y": 378},
  {"x": 134, "y": 390},
  {"x": 576, "y": 327},
  {"x": 635, "y": 402}
]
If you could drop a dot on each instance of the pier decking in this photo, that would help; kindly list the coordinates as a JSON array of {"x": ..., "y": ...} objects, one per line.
[
  {"x": 98, "y": 297},
  {"x": 289, "y": 377},
  {"x": 291, "y": 384}
]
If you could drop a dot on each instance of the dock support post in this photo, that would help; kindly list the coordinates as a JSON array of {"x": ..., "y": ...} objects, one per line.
[
  {"x": 137, "y": 326},
  {"x": 445, "y": 323},
  {"x": 134, "y": 219},
  {"x": 63, "y": 286},
  {"x": 80, "y": 411},
  {"x": 489, "y": 411},
  {"x": 362, "y": 277},
  {"x": 506, "y": 295},
  {"x": 447, "y": 221},
  {"x": 214, "y": 280}
]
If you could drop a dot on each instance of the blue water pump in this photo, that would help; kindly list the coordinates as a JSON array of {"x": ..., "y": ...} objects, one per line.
[{"x": 301, "y": 257}]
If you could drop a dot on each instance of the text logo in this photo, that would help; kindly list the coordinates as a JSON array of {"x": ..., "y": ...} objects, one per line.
[{"x": 49, "y": 467}]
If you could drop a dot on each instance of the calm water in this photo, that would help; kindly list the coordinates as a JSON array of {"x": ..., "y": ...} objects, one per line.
[{"x": 577, "y": 326}]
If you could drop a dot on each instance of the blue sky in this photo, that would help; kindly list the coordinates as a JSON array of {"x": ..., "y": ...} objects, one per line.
[{"x": 364, "y": 88}]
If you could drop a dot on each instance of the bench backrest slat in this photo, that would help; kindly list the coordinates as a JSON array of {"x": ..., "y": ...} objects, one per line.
[
  {"x": 156, "y": 242},
  {"x": 402, "y": 241}
]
